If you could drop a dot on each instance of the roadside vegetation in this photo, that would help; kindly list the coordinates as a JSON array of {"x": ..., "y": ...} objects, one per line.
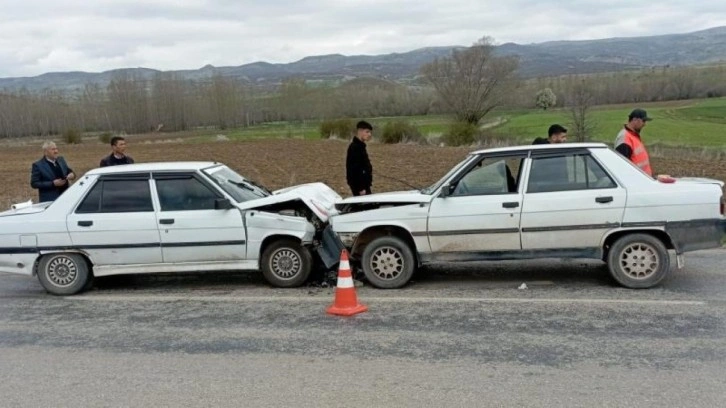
[{"x": 471, "y": 97}]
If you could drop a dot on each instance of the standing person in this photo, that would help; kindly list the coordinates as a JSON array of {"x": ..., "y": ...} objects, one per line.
[
  {"x": 118, "y": 153},
  {"x": 629, "y": 144},
  {"x": 51, "y": 174},
  {"x": 358, "y": 168},
  {"x": 556, "y": 134}
]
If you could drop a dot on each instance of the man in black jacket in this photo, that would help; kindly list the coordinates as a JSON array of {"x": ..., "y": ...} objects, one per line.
[
  {"x": 118, "y": 153},
  {"x": 556, "y": 134},
  {"x": 50, "y": 175},
  {"x": 358, "y": 169}
]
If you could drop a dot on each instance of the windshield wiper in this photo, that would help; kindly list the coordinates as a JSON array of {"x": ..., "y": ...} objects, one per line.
[
  {"x": 246, "y": 186},
  {"x": 260, "y": 186}
]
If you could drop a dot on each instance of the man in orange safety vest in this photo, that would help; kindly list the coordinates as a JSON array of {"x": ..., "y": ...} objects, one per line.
[{"x": 629, "y": 144}]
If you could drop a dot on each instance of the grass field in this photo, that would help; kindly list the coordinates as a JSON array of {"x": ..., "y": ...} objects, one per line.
[
  {"x": 688, "y": 123},
  {"x": 693, "y": 123}
]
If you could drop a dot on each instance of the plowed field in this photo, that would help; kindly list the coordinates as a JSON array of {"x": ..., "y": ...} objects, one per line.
[{"x": 278, "y": 163}]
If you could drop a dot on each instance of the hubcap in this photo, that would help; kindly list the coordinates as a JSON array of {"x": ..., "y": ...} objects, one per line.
[
  {"x": 639, "y": 261},
  {"x": 62, "y": 271},
  {"x": 285, "y": 263},
  {"x": 387, "y": 263}
]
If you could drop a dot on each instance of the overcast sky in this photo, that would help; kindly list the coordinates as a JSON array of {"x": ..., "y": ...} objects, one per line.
[{"x": 38, "y": 36}]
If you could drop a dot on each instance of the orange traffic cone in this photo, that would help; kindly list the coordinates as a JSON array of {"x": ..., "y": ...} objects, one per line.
[{"x": 346, "y": 301}]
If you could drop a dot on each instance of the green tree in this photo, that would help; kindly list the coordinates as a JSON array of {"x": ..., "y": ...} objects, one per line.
[{"x": 545, "y": 99}]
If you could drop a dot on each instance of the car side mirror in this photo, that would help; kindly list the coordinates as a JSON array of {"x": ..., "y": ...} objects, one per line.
[
  {"x": 222, "y": 204},
  {"x": 445, "y": 190}
]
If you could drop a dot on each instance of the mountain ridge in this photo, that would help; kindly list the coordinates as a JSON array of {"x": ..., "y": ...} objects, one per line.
[{"x": 549, "y": 58}]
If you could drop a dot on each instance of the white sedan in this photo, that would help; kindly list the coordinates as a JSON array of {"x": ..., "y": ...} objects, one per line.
[
  {"x": 168, "y": 217},
  {"x": 526, "y": 202}
]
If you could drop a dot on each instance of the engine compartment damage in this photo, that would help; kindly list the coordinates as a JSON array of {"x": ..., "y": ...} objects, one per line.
[{"x": 325, "y": 243}]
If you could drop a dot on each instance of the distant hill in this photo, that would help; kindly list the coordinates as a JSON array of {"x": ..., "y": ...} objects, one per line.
[{"x": 541, "y": 59}]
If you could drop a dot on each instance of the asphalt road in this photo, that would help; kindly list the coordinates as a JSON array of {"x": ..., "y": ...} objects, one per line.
[{"x": 461, "y": 336}]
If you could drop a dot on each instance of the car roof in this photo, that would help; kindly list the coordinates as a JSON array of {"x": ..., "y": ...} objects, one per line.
[
  {"x": 558, "y": 146},
  {"x": 146, "y": 167}
]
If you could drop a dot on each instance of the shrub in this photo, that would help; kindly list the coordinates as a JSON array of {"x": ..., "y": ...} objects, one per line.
[
  {"x": 340, "y": 128},
  {"x": 72, "y": 136},
  {"x": 461, "y": 134},
  {"x": 105, "y": 137},
  {"x": 400, "y": 131}
]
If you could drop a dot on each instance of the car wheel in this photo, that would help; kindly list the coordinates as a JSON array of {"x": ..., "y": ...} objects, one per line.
[
  {"x": 638, "y": 261},
  {"x": 286, "y": 263},
  {"x": 388, "y": 262},
  {"x": 63, "y": 274}
]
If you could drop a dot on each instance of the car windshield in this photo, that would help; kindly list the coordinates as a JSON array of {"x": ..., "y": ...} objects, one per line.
[
  {"x": 435, "y": 186},
  {"x": 235, "y": 185}
]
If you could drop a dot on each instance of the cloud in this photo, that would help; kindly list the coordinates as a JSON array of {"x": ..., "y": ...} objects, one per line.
[{"x": 43, "y": 36}]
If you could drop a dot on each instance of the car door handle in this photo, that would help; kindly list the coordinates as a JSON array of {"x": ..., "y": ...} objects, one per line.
[
  {"x": 604, "y": 199},
  {"x": 510, "y": 204},
  {"x": 166, "y": 221},
  {"x": 85, "y": 223}
]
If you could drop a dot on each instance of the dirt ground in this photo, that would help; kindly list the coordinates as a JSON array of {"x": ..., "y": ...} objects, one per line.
[{"x": 278, "y": 163}]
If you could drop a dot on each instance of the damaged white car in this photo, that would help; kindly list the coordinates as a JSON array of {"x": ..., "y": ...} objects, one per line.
[
  {"x": 167, "y": 217},
  {"x": 539, "y": 201}
]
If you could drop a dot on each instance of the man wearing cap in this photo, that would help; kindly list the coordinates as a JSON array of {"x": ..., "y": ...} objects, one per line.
[{"x": 629, "y": 144}]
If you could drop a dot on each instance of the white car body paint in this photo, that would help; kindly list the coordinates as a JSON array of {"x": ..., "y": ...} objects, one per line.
[
  {"x": 134, "y": 242},
  {"x": 572, "y": 222}
]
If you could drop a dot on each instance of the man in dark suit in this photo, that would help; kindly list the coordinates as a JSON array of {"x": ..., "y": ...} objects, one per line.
[
  {"x": 50, "y": 175},
  {"x": 358, "y": 168}
]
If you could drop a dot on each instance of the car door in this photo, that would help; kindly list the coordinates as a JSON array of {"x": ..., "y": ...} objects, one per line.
[
  {"x": 115, "y": 222},
  {"x": 570, "y": 202},
  {"x": 192, "y": 224},
  {"x": 481, "y": 210}
]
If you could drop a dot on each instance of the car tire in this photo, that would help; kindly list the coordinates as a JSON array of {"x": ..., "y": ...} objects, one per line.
[
  {"x": 638, "y": 261},
  {"x": 388, "y": 262},
  {"x": 63, "y": 274},
  {"x": 286, "y": 263}
]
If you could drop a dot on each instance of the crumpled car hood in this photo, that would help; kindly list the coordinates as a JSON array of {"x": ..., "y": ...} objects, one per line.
[{"x": 318, "y": 197}]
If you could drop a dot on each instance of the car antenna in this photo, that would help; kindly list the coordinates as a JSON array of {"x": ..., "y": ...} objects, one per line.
[{"x": 400, "y": 181}]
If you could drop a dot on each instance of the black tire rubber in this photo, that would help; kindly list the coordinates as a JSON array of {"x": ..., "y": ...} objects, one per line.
[
  {"x": 618, "y": 261},
  {"x": 279, "y": 247},
  {"x": 53, "y": 279},
  {"x": 396, "y": 250}
]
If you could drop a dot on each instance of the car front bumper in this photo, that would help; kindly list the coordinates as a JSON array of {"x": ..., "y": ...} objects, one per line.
[{"x": 330, "y": 248}]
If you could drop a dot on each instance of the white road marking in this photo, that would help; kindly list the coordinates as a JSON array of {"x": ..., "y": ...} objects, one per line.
[{"x": 374, "y": 299}]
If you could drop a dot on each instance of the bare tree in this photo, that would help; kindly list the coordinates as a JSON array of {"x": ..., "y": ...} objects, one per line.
[
  {"x": 580, "y": 104},
  {"x": 684, "y": 83},
  {"x": 225, "y": 97},
  {"x": 128, "y": 103},
  {"x": 472, "y": 81},
  {"x": 169, "y": 101},
  {"x": 293, "y": 93}
]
